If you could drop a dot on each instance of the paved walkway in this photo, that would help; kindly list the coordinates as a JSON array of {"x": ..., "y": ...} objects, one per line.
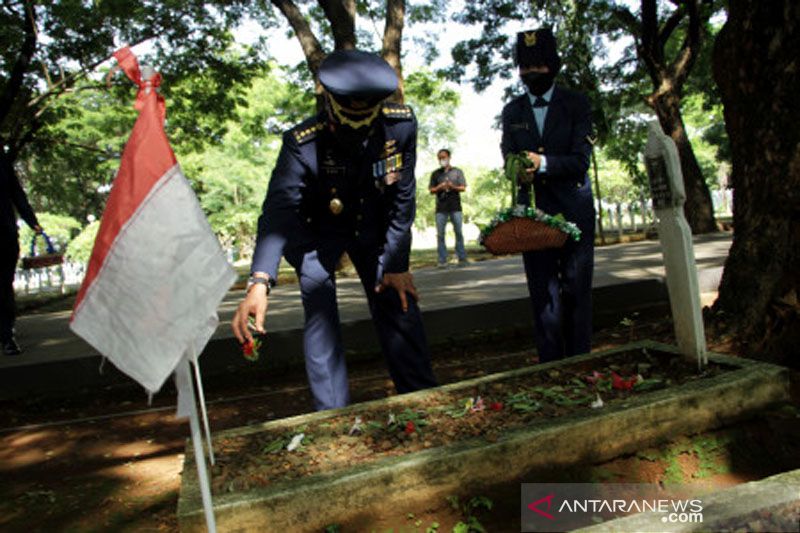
[{"x": 481, "y": 293}]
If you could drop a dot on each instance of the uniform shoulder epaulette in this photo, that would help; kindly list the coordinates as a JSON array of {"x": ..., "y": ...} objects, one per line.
[
  {"x": 397, "y": 111},
  {"x": 307, "y": 131}
]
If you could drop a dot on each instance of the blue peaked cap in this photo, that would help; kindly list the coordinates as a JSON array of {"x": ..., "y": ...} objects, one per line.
[{"x": 357, "y": 75}]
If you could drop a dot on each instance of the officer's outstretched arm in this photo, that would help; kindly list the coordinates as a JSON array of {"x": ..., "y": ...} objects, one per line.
[{"x": 254, "y": 304}]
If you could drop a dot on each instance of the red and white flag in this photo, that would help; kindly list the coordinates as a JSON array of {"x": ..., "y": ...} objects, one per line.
[{"x": 157, "y": 272}]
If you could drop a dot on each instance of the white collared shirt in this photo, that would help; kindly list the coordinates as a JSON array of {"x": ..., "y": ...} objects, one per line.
[{"x": 539, "y": 115}]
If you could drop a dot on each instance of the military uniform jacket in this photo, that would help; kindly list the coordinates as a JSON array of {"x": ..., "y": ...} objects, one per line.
[
  {"x": 565, "y": 187},
  {"x": 376, "y": 190}
]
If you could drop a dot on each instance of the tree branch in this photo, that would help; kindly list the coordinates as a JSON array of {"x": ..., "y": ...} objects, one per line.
[
  {"x": 650, "y": 45},
  {"x": 342, "y": 16},
  {"x": 17, "y": 74},
  {"x": 312, "y": 49},
  {"x": 690, "y": 48},
  {"x": 669, "y": 26}
]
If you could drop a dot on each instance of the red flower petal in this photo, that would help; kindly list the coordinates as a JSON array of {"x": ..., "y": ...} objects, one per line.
[
  {"x": 496, "y": 406},
  {"x": 621, "y": 383},
  {"x": 410, "y": 428}
]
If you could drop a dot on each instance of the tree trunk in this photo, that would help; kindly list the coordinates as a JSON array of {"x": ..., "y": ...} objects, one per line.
[
  {"x": 13, "y": 84},
  {"x": 756, "y": 68},
  {"x": 342, "y": 16},
  {"x": 699, "y": 208},
  {"x": 392, "y": 39}
]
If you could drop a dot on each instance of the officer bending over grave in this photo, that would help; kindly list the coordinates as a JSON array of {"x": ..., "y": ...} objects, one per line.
[{"x": 344, "y": 182}]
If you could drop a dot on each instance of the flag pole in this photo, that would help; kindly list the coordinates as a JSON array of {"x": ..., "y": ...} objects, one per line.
[
  {"x": 203, "y": 411},
  {"x": 197, "y": 442}
]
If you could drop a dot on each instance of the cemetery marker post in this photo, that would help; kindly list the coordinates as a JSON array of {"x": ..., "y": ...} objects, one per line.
[{"x": 666, "y": 187}]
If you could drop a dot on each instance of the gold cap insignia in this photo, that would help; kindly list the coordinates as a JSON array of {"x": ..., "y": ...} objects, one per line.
[{"x": 530, "y": 38}]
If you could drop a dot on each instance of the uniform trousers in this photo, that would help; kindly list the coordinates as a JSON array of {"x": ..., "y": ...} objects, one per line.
[
  {"x": 401, "y": 335},
  {"x": 8, "y": 265},
  {"x": 560, "y": 287}
]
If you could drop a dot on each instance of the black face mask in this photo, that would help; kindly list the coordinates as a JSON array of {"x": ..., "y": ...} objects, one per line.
[{"x": 538, "y": 82}]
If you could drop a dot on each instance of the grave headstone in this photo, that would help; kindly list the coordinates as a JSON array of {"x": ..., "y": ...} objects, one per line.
[{"x": 666, "y": 186}]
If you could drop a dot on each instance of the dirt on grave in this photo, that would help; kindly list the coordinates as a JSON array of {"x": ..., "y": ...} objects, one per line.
[
  {"x": 485, "y": 411},
  {"x": 106, "y": 461}
]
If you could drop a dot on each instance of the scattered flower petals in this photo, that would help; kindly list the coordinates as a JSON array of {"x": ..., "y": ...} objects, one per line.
[
  {"x": 392, "y": 420},
  {"x": 356, "y": 429},
  {"x": 595, "y": 377},
  {"x": 477, "y": 405},
  {"x": 598, "y": 403},
  {"x": 295, "y": 442},
  {"x": 496, "y": 406},
  {"x": 410, "y": 427},
  {"x": 621, "y": 383}
]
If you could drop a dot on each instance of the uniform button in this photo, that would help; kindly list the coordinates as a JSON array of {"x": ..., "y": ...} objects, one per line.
[
  {"x": 358, "y": 217},
  {"x": 544, "y": 182},
  {"x": 357, "y": 234},
  {"x": 308, "y": 220},
  {"x": 362, "y": 200},
  {"x": 541, "y": 149}
]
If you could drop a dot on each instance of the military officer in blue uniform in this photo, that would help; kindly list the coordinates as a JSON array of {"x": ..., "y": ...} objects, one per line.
[
  {"x": 553, "y": 126},
  {"x": 344, "y": 182}
]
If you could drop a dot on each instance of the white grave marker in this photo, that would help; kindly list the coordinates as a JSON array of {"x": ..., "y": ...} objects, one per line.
[{"x": 666, "y": 186}]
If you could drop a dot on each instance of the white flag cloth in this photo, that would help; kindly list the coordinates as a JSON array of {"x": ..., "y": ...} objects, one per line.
[{"x": 157, "y": 272}]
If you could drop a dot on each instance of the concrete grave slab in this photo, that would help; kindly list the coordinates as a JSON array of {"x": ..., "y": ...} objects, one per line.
[{"x": 591, "y": 435}]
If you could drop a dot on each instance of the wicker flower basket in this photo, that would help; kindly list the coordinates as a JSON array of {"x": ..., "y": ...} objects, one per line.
[
  {"x": 521, "y": 228},
  {"x": 522, "y": 234},
  {"x": 51, "y": 258}
]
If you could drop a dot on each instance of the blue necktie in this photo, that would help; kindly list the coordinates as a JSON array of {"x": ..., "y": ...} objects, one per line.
[{"x": 540, "y": 102}]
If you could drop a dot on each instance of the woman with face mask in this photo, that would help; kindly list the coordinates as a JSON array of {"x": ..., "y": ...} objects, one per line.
[{"x": 551, "y": 126}]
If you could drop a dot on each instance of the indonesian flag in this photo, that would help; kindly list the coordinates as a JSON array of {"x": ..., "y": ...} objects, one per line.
[{"x": 157, "y": 272}]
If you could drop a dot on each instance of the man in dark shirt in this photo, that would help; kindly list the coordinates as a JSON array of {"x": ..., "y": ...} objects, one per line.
[
  {"x": 11, "y": 196},
  {"x": 447, "y": 183}
]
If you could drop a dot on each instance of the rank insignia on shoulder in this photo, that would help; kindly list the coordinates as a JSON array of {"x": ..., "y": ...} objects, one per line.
[
  {"x": 303, "y": 135},
  {"x": 397, "y": 111}
]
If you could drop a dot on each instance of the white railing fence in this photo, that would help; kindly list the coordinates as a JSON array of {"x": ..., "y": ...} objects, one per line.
[{"x": 54, "y": 279}]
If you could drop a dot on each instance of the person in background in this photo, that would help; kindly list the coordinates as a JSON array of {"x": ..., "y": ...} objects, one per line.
[
  {"x": 344, "y": 182},
  {"x": 447, "y": 183},
  {"x": 12, "y": 197},
  {"x": 552, "y": 125}
]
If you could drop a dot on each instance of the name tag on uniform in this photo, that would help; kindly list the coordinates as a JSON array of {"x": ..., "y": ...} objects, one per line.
[
  {"x": 520, "y": 126},
  {"x": 333, "y": 170}
]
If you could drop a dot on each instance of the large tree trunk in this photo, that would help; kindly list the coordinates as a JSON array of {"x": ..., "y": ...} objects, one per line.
[
  {"x": 698, "y": 208},
  {"x": 756, "y": 68},
  {"x": 392, "y": 39}
]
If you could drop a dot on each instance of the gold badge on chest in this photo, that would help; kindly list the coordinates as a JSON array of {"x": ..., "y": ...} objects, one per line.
[{"x": 336, "y": 206}]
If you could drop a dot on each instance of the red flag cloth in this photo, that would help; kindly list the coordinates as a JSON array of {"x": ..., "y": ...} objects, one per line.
[{"x": 157, "y": 272}]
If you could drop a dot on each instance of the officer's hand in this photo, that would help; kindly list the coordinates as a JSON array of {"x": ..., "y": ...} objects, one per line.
[
  {"x": 255, "y": 305},
  {"x": 536, "y": 159},
  {"x": 402, "y": 282},
  {"x": 38, "y": 229}
]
